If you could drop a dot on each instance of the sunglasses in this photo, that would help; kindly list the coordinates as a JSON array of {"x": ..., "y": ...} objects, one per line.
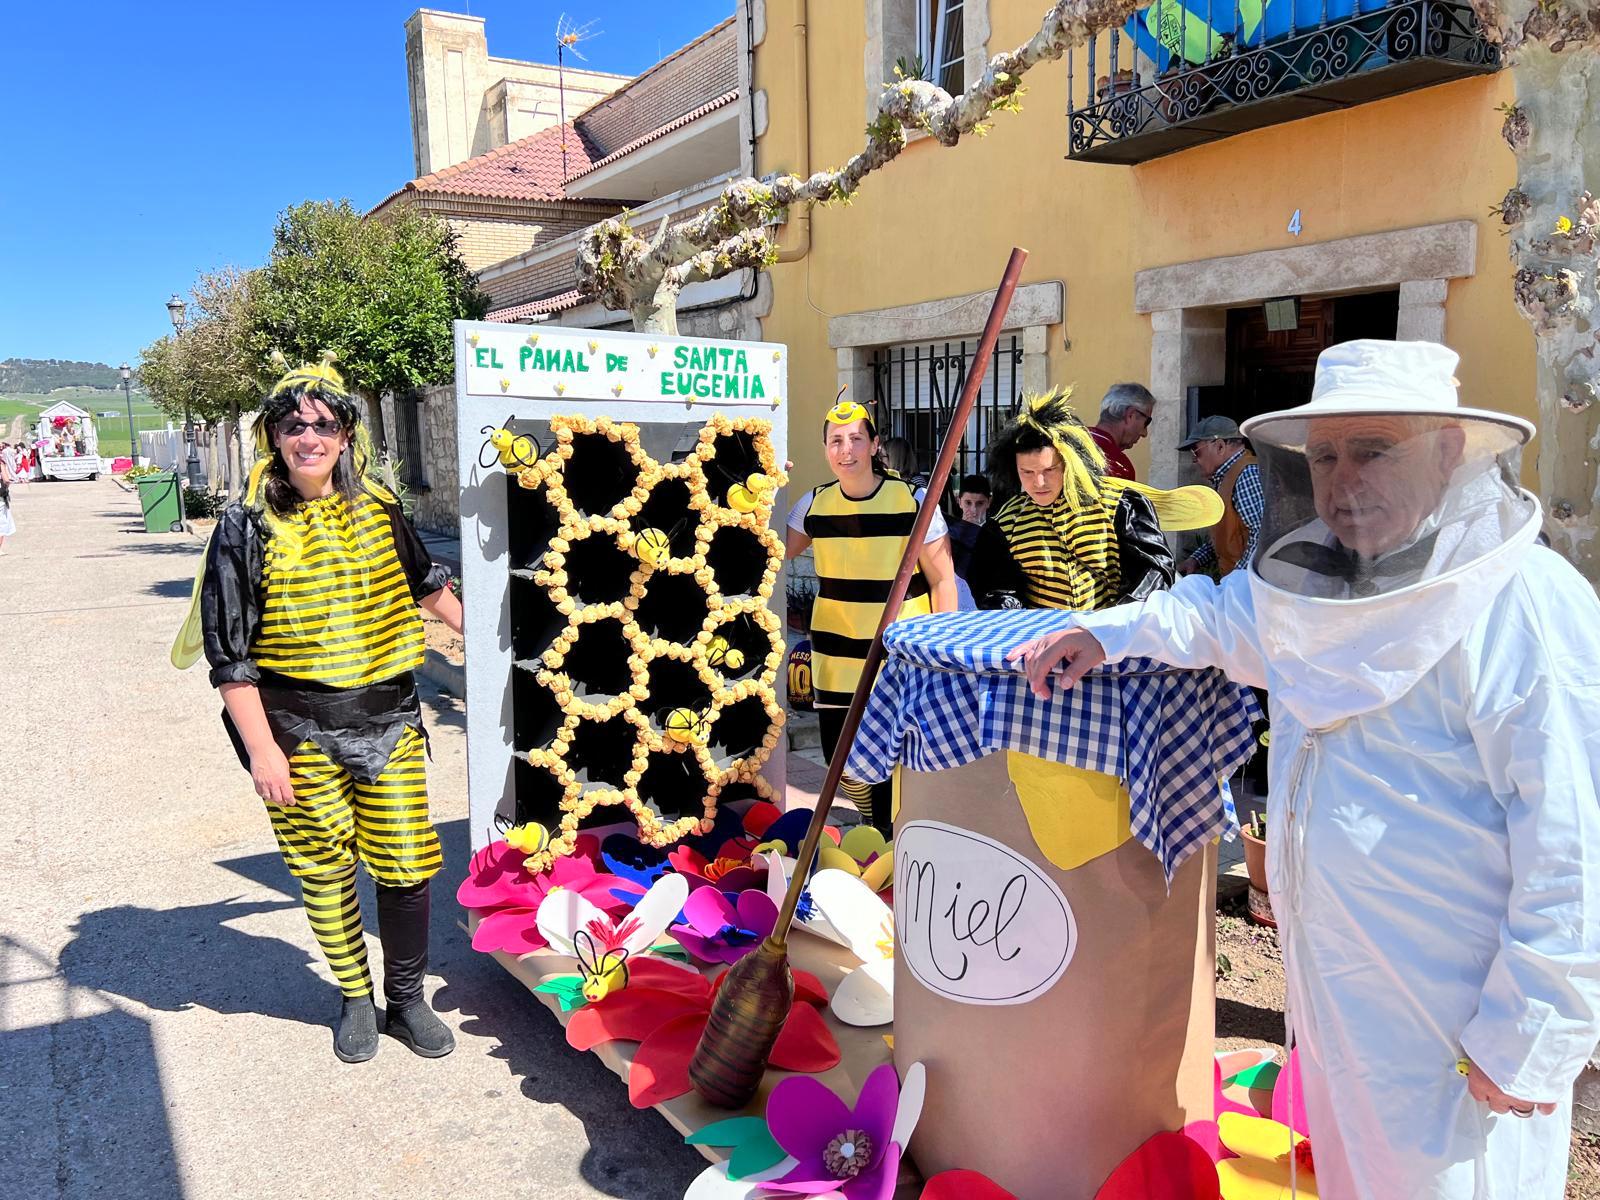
[{"x": 293, "y": 427}]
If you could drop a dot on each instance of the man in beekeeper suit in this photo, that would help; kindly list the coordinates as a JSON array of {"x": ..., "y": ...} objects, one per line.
[{"x": 1433, "y": 844}]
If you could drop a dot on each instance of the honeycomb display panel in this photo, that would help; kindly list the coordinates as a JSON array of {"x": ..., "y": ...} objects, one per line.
[{"x": 621, "y": 512}]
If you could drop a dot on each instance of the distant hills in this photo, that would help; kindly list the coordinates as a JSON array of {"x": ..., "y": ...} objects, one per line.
[{"x": 43, "y": 375}]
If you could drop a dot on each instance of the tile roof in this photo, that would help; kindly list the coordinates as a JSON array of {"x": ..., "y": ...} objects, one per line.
[
  {"x": 560, "y": 302},
  {"x": 660, "y": 131},
  {"x": 526, "y": 169}
]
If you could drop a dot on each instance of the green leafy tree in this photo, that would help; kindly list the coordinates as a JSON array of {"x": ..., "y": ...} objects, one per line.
[
  {"x": 211, "y": 369},
  {"x": 381, "y": 294}
]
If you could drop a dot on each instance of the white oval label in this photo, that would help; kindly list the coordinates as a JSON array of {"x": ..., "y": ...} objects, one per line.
[{"x": 975, "y": 921}]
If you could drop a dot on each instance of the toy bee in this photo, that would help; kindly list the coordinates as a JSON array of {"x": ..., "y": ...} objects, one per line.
[
  {"x": 507, "y": 448},
  {"x": 721, "y": 654},
  {"x": 687, "y": 727}
]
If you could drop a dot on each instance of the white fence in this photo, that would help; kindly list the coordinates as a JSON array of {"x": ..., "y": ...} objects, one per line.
[{"x": 166, "y": 449}]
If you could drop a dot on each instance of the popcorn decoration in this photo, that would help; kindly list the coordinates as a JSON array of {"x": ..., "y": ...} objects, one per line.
[{"x": 646, "y": 651}]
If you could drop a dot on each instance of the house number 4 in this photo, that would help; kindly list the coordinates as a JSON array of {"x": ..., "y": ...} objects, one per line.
[{"x": 1294, "y": 223}]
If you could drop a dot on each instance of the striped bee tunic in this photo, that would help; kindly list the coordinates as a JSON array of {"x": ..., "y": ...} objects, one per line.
[
  {"x": 1067, "y": 552},
  {"x": 338, "y": 609},
  {"x": 857, "y": 545}
]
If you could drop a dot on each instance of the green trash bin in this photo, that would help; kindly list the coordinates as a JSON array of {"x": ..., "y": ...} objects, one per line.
[{"x": 163, "y": 506}]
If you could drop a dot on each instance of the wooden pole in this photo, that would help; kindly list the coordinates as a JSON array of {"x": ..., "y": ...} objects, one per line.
[{"x": 754, "y": 999}]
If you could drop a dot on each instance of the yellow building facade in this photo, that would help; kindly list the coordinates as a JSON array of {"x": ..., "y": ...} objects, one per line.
[{"x": 1133, "y": 270}]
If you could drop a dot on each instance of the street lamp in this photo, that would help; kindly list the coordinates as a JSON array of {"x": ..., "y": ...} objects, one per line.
[
  {"x": 127, "y": 394},
  {"x": 175, "y": 308}
]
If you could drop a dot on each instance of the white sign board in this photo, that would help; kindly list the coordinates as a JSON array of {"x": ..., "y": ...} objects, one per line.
[
  {"x": 522, "y": 376},
  {"x": 576, "y": 364},
  {"x": 975, "y": 921}
]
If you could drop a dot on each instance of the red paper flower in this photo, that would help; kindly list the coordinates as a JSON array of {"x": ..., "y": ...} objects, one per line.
[
  {"x": 667, "y": 1024},
  {"x": 964, "y": 1185},
  {"x": 729, "y": 871}
]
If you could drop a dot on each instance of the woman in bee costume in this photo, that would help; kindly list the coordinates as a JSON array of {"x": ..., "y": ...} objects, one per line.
[
  {"x": 857, "y": 527},
  {"x": 308, "y": 610}
]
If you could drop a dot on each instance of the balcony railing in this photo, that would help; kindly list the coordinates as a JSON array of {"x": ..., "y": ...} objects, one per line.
[{"x": 1184, "y": 72}]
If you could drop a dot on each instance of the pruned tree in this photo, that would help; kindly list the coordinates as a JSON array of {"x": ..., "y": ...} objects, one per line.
[
  {"x": 1553, "y": 222},
  {"x": 643, "y": 275}
]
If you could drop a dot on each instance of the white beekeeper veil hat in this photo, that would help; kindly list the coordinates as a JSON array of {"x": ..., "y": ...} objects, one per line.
[
  {"x": 1384, "y": 479},
  {"x": 1393, "y": 516}
]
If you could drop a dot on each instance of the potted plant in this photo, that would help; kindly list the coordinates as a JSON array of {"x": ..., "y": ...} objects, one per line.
[{"x": 1254, "y": 834}]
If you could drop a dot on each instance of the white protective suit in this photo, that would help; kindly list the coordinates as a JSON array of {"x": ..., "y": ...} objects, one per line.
[{"x": 1433, "y": 854}]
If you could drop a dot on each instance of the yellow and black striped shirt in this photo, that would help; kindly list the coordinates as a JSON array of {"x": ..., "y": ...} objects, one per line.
[
  {"x": 857, "y": 545},
  {"x": 1067, "y": 552},
  {"x": 338, "y": 611}
]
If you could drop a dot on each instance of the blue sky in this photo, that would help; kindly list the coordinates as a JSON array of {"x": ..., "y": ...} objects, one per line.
[{"x": 146, "y": 142}]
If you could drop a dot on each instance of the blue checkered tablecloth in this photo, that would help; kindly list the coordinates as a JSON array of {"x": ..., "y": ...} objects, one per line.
[{"x": 946, "y": 697}]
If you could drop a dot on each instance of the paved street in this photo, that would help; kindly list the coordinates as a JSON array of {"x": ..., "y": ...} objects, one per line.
[{"x": 164, "y": 1015}]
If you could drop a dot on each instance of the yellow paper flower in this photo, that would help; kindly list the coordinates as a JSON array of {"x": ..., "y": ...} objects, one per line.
[
  {"x": 1269, "y": 1152},
  {"x": 1563, "y": 225}
]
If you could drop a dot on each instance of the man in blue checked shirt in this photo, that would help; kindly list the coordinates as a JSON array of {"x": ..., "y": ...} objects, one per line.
[{"x": 1222, "y": 453}]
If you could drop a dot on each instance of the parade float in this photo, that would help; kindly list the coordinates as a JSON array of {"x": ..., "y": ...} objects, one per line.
[
  {"x": 65, "y": 444},
  {"x": 818, "y": 1010}
]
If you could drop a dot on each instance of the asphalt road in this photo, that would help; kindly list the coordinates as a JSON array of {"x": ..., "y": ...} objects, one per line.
[{"x": 164, "y": 1014}]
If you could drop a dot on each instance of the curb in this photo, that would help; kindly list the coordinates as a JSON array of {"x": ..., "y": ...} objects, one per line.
[{"x": 445, "y": 675}]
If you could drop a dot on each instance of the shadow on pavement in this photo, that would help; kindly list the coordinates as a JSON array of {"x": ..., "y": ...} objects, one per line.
[
  {"x": 1239, "y": 1020},
  {"x": 187, "y": 546},
  {"x": 171, "y": 589},
  {"x": 632, "y": 1153},
  {"x": 179, "y": 958},
  {"x": 84, "y": 1110}
]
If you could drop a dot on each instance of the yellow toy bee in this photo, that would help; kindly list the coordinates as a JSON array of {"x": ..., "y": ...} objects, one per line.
[
  {"x": 604, "y": 971},
  {"x": 760, "y": 483},
  {"x": 652, "y": 546},
  {"x": 510, "y": 449},
  {"x": 742, "y": 499},
  {"x": 530, "y": 838},
  {"x": 687, "y": 727},
  {"x": 720, "y": 654}
]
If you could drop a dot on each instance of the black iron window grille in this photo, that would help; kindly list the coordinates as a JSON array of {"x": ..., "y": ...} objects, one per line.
[
  {"x": 915, "y": 389},
  {"x": 1183, "y": 72}
]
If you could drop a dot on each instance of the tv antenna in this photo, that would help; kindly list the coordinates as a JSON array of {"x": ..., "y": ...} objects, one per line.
[{"x": 568, "y": 35}]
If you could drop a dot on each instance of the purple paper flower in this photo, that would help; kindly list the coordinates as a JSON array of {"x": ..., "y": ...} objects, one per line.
[
  {"x": 837, "y": 1149},
  {"x": 715, "y": 930}
]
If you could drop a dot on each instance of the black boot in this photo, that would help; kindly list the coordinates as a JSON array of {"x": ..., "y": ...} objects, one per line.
[
  {"x": 403, "y": 930},
  {"x": 417, "y": 1026},
  {"x": 356, "y": 1037}
]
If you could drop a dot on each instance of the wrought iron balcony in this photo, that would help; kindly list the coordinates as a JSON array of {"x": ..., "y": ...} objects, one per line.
[{"x": 1184, "y": 72}]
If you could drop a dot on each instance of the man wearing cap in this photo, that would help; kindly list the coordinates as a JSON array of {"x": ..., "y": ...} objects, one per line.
[
  {"x": 1124, "y": 420},
  {"x": 1223, "y": 455},
  {"x": 1433, "y": 847}
]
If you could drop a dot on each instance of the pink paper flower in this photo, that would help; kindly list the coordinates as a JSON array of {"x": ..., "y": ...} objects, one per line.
[
  {"x": 728, "y": 872},
  {"x": 508, "y": 897},
  {"x": 837, "y": 1149},
  {"x": 714, "y": 930}
]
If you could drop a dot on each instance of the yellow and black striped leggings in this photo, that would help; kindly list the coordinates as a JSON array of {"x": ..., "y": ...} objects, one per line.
[{"x": 337, "y": 820}]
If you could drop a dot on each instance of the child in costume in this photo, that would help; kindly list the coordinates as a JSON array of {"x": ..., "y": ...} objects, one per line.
[
  {"x": 1078, "y": 538},
  {"x": 308, "y": 609},
  {"x": 857, "y": 527}
]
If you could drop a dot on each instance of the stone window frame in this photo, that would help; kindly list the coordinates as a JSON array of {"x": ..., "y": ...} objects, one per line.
[
  {"x": 1035, "y": 307},
  {"x": 1188, "y": 307},
  {"x": 892, "y": 33}
]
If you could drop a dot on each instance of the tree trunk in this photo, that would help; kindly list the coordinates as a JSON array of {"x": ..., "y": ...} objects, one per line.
[
  {"x": 235, "y": 453},
  {"x": 657, "y": 313},
  {"x": 1558, "y": 151}
]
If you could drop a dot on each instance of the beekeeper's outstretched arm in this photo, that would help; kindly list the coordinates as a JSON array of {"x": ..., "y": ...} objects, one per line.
[
  {"x": 1199, "y": 623},
  {"x": 1533, "y": 705}
]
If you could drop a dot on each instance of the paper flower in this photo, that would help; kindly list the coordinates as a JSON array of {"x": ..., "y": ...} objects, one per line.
[
  {"x": 667, "y": 1026},
  {"x": 964, "y": 1185},
  {"x": 498, "y": 878},
  {"x": 807, "y": 915},
  {"x": 853, "y": 1152},
  {"x": 729, "y": 873},
  {"x": 1167, "y": 1167},
  {"x": 862, "y": 852},
  {"x": 715, "y": 930},
  {"x": 1272, "y": 1161},
  {"x": 603, "y": 944},
  {"x": 866, "y": 995}
]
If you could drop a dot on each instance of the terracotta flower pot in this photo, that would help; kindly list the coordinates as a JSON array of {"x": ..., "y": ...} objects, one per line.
[{"x": 1255, "y": 859}]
